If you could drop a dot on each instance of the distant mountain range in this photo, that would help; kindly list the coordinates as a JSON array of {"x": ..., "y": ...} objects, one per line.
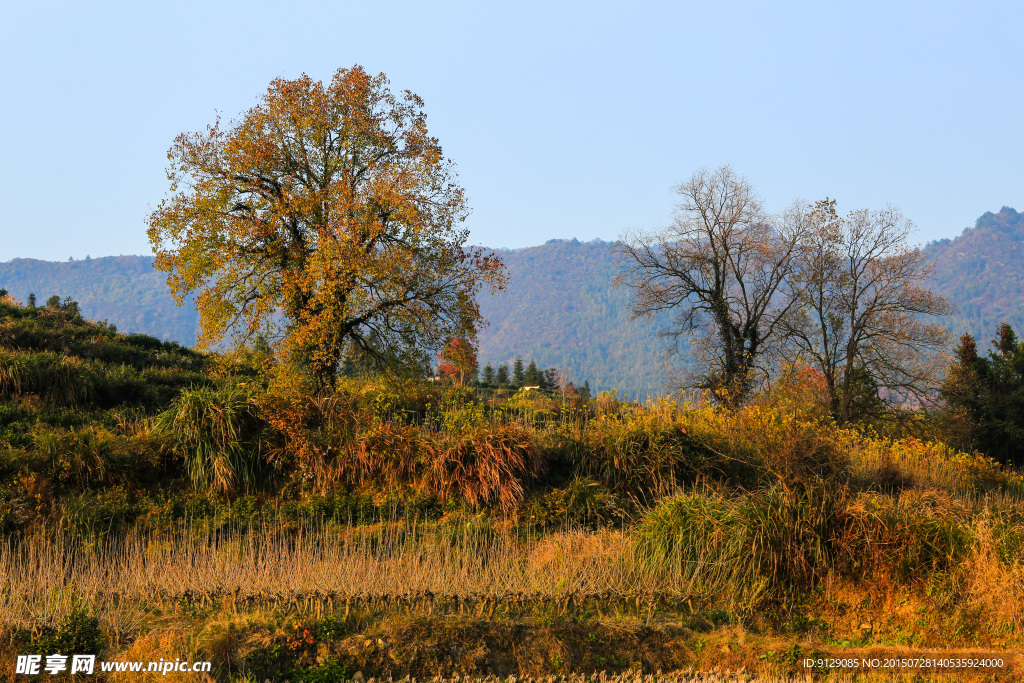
[
  {"x": 560, "y": 308},
  {"x": 982, "y": 272},
  {"x": 123, "y": 290}
]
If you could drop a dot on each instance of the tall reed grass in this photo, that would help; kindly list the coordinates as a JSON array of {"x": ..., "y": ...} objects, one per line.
[
  {"x": 46, "y": 576},
  {"x": 743, "y": 550},
  {"x": 711, "y": 548}
]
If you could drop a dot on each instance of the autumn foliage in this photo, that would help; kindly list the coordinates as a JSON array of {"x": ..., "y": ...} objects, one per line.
[
  {"x": 329, "y": 204},
  {"x": 458, "y": 361}
]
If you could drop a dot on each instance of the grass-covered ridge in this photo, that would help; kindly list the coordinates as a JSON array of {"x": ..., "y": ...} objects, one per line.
[
  {"x": 75, "y": 398},
  {"x": 155, "y": 500}
]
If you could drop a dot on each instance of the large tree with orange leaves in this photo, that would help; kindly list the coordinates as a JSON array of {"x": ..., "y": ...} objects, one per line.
[{"x": 326, "y": 219}]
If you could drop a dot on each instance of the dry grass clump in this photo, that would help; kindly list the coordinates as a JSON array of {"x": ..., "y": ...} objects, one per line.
[
  {"x": 486, "y": 465},
  {"x": 639, "y": 452},
  {"x": 791, "y": 448},
  {"x": 311, "y": 428},
  {"x": 385, "y": 454},
  {"x": 995, "y": 584},
  {"x": 906, "y": 539},
  {"x": 581, "y": 563},
  {"x": 165, "y": 644}
]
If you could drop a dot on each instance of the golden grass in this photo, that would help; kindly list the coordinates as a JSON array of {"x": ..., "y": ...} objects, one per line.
[
  {"x": 166, "y": 644},
  {"x": 720, "y": 676},
  {"x": 995, "y": 587},
  {"x": 319, "y": 569},
  {"x": 912, "y": 463}
]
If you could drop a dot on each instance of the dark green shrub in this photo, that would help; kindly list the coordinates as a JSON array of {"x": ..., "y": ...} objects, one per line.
[
  {"x": 561, "y": 451},
  {"x": 78, "y": 633},
  {"x": 57, "y": 379},
  {"x": 583, "y": 502},
  {"x": 104, "y": 511},
  {"x": 126, "y": 385},
  {"x": 143, "y": 341},
  {"x": 14, "y": 511},
  {"x": 327, "y": 671}
]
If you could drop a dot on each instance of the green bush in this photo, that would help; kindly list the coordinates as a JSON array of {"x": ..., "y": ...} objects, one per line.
[
  {"x": 694, "y": 536},
  {"x": 218, "y": 432},
  {"x": 57, "y": 379},
  {"x": 78, "y": 633},
  {"x": 582, "y": 503},
  {"x": 766, "y": 545}
]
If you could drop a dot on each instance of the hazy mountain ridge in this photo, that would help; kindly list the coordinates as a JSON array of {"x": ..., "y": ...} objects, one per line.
[
  {"x": 982, "y": 272},
  {"x": 123, "y": 290},
  {"x": 560, "y": 308}
]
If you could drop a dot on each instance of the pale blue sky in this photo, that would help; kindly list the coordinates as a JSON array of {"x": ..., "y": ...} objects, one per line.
[{"x": 572, "y": 120}]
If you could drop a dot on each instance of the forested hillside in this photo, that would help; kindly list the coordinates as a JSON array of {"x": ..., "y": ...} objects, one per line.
[
  {"x": 982, "y": 272},
  {"x": 123, "y": 290},
  {"x": 560, "y": 309}
]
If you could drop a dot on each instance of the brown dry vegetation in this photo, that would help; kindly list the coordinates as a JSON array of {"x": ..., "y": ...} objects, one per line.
[{"x": 441, "y": 530}]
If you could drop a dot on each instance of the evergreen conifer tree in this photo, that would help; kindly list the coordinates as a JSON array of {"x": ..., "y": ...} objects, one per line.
[
  {"x": 991, "y": 392},
  {"x": 518, "y": 374},
  {"x": 533, "y": 376}
]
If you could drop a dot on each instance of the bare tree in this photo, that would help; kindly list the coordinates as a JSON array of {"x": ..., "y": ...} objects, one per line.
[
  {"x": 719, "y": 266},
  {"x": 862, "y": 301}
]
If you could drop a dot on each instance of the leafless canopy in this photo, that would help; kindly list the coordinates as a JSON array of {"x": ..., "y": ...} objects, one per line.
[
  {"x": 861, "y": 320},
  {"x": 843, "y": 295},
  {"x": 719, "y": 267}
]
